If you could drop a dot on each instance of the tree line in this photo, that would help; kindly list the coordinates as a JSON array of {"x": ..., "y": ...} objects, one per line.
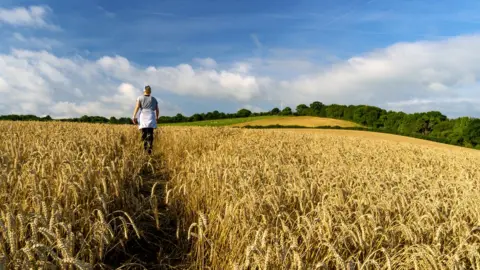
[{"x": 463, "y": 131}]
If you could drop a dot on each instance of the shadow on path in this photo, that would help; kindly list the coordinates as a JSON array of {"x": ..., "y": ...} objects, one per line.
[{"x": 158, "y": 247}]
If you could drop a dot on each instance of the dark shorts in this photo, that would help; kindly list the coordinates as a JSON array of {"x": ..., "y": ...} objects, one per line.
[{"x": 147, "y": 137}]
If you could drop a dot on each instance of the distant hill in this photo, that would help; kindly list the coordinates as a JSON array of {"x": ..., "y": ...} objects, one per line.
[
  {"x": 304, "y": 121},
  {"x": 433, "y": 125}
]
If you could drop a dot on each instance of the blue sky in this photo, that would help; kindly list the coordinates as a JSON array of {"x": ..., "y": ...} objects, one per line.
[{"x": 92, "y": 57}]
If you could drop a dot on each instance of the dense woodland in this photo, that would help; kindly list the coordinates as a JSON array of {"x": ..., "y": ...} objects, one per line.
[{"x": 464, "y": 131}]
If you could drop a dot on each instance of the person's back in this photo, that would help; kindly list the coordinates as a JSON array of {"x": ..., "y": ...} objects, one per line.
[
  {"x": 149, "y": 113},
  {"x": 147, "y": 102}
]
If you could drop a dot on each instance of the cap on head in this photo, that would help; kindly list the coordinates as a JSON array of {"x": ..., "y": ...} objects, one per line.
[{"x": 148, "y": 90}]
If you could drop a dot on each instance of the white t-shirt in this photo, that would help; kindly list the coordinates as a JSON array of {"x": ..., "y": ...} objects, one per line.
[{"x": 148, "y": 104}]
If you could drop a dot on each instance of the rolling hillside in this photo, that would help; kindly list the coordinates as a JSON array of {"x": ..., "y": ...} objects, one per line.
[
  {"x": 305, "y": 121},
  {"x": 377, "y": 136}
]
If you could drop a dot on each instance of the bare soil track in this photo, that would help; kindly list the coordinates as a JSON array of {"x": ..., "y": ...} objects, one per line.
[{"x": 158, "y": 248}]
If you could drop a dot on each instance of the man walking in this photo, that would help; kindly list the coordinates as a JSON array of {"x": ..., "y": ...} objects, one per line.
[{"x": 149, "y": 113}]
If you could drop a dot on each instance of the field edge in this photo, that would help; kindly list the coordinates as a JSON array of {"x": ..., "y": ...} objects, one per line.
[{"x": 366, "y": 129}]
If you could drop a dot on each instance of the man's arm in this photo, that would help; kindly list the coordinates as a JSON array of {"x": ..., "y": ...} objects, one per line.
[
  {"x": 135, "y": 111},
  {"x": 157, "y": 111}
]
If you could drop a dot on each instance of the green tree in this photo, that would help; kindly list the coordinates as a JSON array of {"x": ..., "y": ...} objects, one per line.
[
  {"x": 372, "y": 118},
  {"x": 407, "y": 124},
  {"x": 275, "y": 111},
  {"x": 473, "y": 132},
  {"x": 180, "y": 118},
  {"x": 286, "y": 111},
  {"x": 216, "y": 114},
  {"x": 197, "y": 117},
  {"x": 209, "y": 116},
  {"x": 429, "y": 120},
  {"x": 317, "y": 108},
  {"x": 335, "y": 111},
  {"x": 348, "y": 112},
  {"x": 391, "y": 120},
  {"x": 458, "y": 134},
  {"x": 359, "y": 115},
  {"x": 125, "y": 121},
  {"x": 84, "y": 118},
  {"x": 302, "y": 109},
  {"x": 244, "y": 113},
  {"x": 369, "y": 116}
]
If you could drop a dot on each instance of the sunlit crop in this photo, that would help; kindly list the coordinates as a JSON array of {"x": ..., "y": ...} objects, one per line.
[
  {"x": 252, "y": 199},
  {"x": 68, "y": 193},
  {"x": 85, "y": 196}
]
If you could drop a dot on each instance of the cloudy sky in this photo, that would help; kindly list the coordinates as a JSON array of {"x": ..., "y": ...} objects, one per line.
[{"x": 70, "y": 58}]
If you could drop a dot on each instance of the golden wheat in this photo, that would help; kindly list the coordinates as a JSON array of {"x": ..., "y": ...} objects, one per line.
[
  {"x": 67, "y": 192},
  {"x": 285, "y": 200},
  {"x": 72, "y": 194}
]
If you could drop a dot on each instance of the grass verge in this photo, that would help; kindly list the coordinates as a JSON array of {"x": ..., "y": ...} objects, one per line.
[{"x": 220, "y": 122}]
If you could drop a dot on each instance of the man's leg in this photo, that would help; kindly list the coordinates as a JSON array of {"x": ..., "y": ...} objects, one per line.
[
  {"x": 150, "y": 140},
  {"x": 144, "y": 138}
]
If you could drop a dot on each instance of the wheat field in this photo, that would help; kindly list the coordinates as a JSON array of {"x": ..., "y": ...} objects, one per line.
[
  {"x": 263, "y": 199},
  {"x": 69, "y": 194},
  {"x": 79, "y": 196}
]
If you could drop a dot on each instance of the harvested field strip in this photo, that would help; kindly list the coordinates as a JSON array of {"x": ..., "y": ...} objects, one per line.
[{"x": 307, "y": 121}]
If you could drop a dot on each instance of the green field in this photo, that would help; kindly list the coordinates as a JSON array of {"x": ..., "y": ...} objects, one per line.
[{"x": 220, "y": 122}]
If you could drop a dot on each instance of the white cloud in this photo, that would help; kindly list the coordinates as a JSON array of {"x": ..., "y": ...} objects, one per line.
[
  {"x": 440, "y": 75},
  {"x": 414, "y": 102},
  {"x": 3, "y": 85},
  {"x": 119, "y": 103},
  {"x": 241, "y": 67},
  {"x": 420, "y": 70},
  {"x": 46, "y": 84},
  {"x": 78, "y": 93},
  {"x": 185, "y": 80},
  {"x": 206, "y": 62},
  {"x": 253, "y": 108},
  {"x": 126, "y": 93},
  {"x": 33, "y": 16},
  {"x": 455, "y": 106},
  {"x": 436, "y": 86}
]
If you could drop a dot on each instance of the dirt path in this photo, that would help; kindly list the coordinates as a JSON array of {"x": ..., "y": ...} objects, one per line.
[{"x": 158, "y": 247}]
